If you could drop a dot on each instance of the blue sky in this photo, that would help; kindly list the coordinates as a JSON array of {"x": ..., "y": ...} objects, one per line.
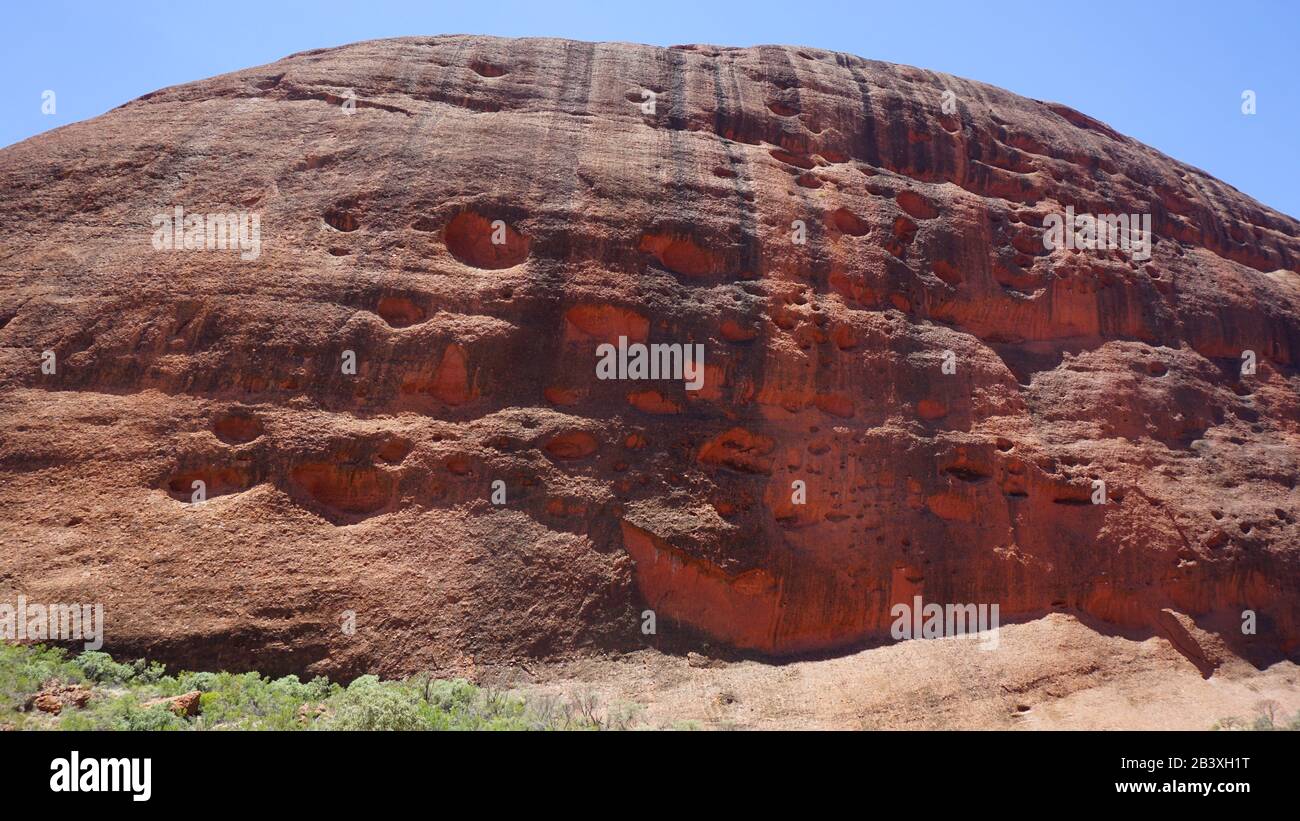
[{"x": 1168, "y": 73}]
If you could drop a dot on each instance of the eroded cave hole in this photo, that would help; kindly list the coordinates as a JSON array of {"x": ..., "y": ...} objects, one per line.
[
  {"x": 916, "y": 206},
  {"x": 486, "y": 69},
  {"x": 399, "y": 311},
  {"x": 217, "y": 481},
  {"x": 237, "y": 427},
  {"x": 846, "y": 222},
  {"x": 682, "y": 254},
  {"x": 572, "y": 445},
  {"x": 341, "y": 219},
  {"x": 345, "y": 488},
  {"x": 484, "y": 243},
  {"x": 394, "y": 450}
]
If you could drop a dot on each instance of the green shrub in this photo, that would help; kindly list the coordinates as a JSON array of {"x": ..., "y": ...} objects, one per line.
[
  {"x": 100, "y": 668},
  {"x": 1268, "y": 716},
  {"x": 447, "y": 696},
  {"x": 122, "y": 713},
  {"x": 24, "y": 668},
  {"x": 369, "y": 704},
  {"x": 252, "y": 702},
  {"x": 145, "y": 672},
  {"x": 203, "y": 682}
]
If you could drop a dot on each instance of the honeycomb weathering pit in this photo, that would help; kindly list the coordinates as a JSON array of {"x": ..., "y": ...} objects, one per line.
[
  {"x": 475, "y": 240},
  {"x": 684, "y": 255},
  {"x": 943, "y": 390},
  {"x": 237, "y": 428}
]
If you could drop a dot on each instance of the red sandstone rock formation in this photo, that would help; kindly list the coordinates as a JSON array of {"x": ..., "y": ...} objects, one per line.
[
  {"x": 55, "y": 695},
  {"x": 186, "y": 704},
  {"x": 650, "y": 194}
]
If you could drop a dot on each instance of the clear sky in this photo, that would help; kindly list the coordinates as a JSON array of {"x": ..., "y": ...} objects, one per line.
[{"x": 1170, "y": 74}]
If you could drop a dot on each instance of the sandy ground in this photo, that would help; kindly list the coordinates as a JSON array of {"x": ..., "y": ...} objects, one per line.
[{"x": 1053, "y": 673}]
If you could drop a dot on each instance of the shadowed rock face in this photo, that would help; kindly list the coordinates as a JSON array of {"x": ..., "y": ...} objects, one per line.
[{"x": 489, "y": 213}]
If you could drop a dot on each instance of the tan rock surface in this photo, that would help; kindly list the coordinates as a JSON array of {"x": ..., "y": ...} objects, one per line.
[{"x": 1055, "y": 673}]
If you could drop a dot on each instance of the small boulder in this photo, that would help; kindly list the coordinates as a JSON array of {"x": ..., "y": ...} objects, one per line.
[
  {"x": 48, "y": 703},
  {"x": 184, "y": 705},
  {"x": 55, "y": 695}
]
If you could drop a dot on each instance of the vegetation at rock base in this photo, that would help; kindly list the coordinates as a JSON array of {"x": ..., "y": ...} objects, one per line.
[
  {"x": 40, "y": 688},
  {"x": 1268, "y": 716}
]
